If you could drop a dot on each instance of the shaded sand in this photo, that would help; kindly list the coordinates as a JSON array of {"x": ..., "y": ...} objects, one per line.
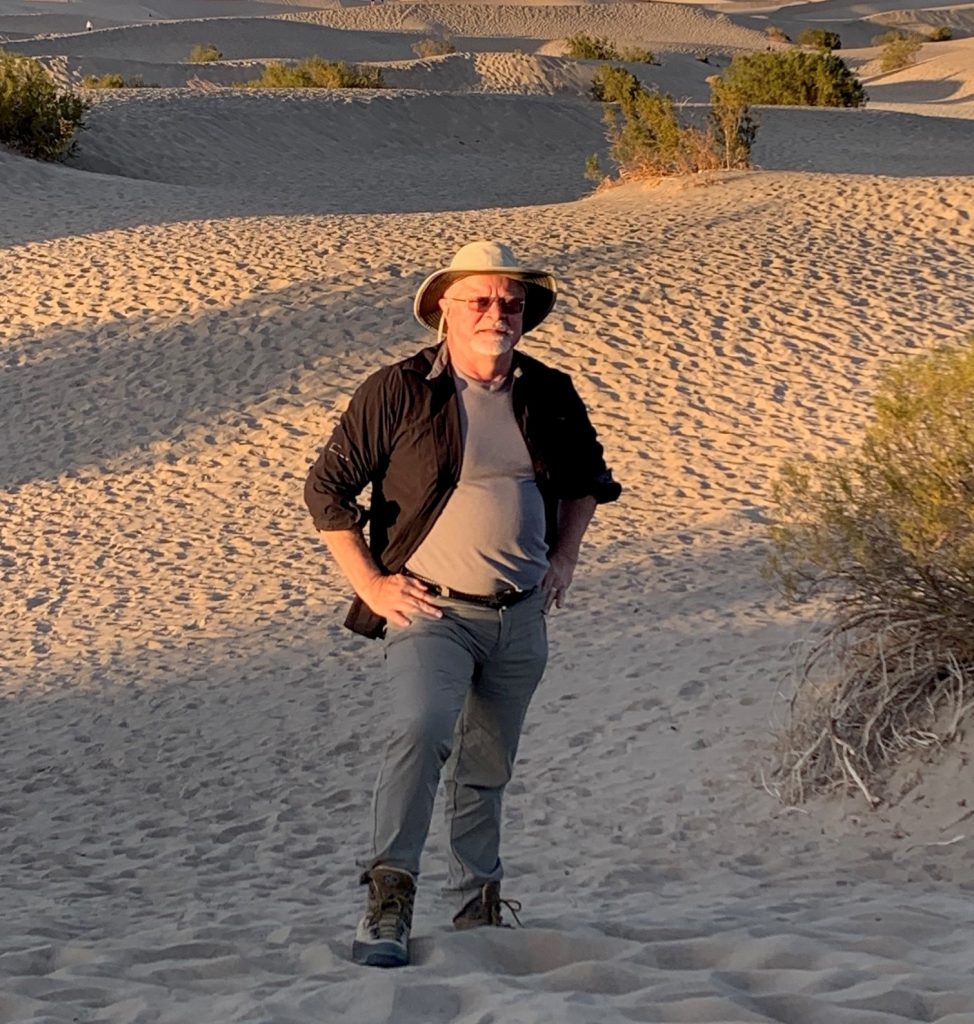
[{"x": 188, "y": 737}]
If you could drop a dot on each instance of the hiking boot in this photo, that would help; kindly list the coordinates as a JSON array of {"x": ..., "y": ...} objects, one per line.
[
  {"x": 382, "y": 937},
  {"x": 484, "y": 910}
]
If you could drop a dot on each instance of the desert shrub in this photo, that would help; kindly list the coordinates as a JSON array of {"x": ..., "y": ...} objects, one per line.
[
  {"x": 887, "y": 532},
  {"x": 734, "y": 128},
  {"x": 614, "y": 84},
  {"x": 434, "y": 46},
  {"x": 111, "y": 80},
  {"x": 646, "y": 138},
  {"x": 204, "y": 54},
  {"x": 585, "y": 47},
  {"x": 941, "y": 34},
  {"x": 315, "y": 73},
  {"x": 634, "y": 55},
  {"x": 36, "y": 117},
  {"x": 779, "y": 35},
  {"x": 795, "y": 78},
  {"x": 820, "y": 38},
  {"x": 899, "y": 52},
  {"x": 894, "y": 34}
]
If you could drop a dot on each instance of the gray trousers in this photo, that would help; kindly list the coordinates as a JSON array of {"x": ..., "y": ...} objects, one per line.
[{"x": 459, "y": 685}]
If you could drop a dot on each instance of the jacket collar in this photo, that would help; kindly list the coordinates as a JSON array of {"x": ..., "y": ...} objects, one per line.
[{"x": 434, "y": 361}]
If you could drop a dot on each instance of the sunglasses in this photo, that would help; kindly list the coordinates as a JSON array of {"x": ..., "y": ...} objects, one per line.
[{"x": 482, "y": 303}]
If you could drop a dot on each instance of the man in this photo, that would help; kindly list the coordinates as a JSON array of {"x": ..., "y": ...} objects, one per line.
[{"x": 485, "y": 472}]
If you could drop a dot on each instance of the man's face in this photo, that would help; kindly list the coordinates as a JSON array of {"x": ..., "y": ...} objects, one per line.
[{"x": 484, "y": 314}]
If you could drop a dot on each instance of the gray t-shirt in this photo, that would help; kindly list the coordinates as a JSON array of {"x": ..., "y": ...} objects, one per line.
[{"x": 490, "y": 535}]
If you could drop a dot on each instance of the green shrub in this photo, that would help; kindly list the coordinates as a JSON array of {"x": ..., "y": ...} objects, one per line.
[
  {"x": 634, "y": 55},
  {"x": 893, "y": 35},
  {"x": 614, "y": 85},
  {"x": 204, "y": 54},
  {"x": 36, "y": 117},
  {"x": 315, "y": 73},
  {"x": 434, "y": 46},
  {"x": 584, "y": 47},
  {"x": 779, "y": 35},
  {"x": 941, "y": 34},
  {"x": 111, "y": 80},
  {"x": 820, "y": 38},
  {"x": 795, "y": 78},
  {"x": 899, "y": 52},
  {"x": 887, "y": 532},
  {"x": 734, "y": 129},
  {"x": 646, "y": 138}
]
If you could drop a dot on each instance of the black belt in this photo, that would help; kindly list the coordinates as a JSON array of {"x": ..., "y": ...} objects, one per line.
[{"x": 503, "y": 599}]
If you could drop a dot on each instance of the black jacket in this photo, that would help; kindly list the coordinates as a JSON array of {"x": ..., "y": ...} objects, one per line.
[{"x": 401, "y": 434}]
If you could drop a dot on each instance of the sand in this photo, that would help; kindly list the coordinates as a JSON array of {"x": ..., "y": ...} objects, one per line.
[{"x": 188, "y": 737}]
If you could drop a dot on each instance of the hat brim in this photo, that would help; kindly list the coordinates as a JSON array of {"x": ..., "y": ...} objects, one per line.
[{"x": 541, "y": 290}]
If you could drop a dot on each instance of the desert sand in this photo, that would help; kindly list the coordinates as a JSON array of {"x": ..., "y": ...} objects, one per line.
[{"x": 188, "y": 738}]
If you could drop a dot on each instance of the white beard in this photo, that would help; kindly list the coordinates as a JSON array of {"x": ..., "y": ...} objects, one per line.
[{"x": 492, "y": 344}]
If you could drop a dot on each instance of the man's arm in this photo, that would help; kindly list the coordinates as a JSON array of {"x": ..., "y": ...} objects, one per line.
[
  {"x": 574, "y": 515},
  {"x": 397, "y": 598}
]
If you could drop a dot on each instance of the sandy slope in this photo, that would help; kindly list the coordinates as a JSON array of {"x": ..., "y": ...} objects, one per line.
[
  {"x": 188, "y": 737},
  {"x": 671, "y": 25},
  {"x": 940, "y": 83}
]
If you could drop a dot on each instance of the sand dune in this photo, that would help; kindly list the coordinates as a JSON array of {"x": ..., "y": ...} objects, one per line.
[
  {"x": 221, "y": 775},
  {"x": 940, "y": 83},
  {"x": 672, "y": 25},
  {"x": 187, "y": 735}
]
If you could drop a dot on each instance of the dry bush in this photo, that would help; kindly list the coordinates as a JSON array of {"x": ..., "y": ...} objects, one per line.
[
  {"x": 820, "y": 38},
  {"x": 112, "y": 80},
  {"x": 941, "y": 34},
  {"x": 434, "y": 46},
  {"x": 647, "y": 140},
  {"x": 201, "y": 54},
  {"x": 585, "y": 47},
  {"x": 779, "y": 35},
  {"x": 888, "y": 534},
  {"x": 315, "y": 73},
  {"x": 36, "y": 117},
  {"x": 899, "y": 51}
]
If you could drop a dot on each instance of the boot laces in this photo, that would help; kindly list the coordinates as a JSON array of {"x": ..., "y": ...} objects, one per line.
[
  {"x": 390, "y": 916},
  {"x": 492, "y": 908}
]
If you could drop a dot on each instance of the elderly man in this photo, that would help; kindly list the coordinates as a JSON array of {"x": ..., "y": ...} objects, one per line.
[{"x": 485, "y": 472}]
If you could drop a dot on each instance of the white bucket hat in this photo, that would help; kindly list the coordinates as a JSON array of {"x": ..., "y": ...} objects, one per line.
[{"x": 486, "y": 258}]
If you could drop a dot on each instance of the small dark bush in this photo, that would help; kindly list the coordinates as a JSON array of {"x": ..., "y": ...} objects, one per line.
[
  {"x": 894, "y": 35},
  {"x": 204, "y": 54},
  {"x": 584, "y": 47},
  {"x": 634, "y": 55},
  {"x": 434, "y": 46},
  {"x": 941, "y": 34},
  {"x": 820, "y": 38},
  {"x": 795, "y": 78},
  {"x": 315, "y": 73},
  {"x": 36, "y": 117},
  {"x": 111, "y": 80}
]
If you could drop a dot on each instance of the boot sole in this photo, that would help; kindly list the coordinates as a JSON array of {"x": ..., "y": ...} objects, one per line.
[{"x": 379, "y": 954}]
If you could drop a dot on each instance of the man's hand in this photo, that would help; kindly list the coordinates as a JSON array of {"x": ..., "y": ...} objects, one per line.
[
  {"x": 557, "y": 580},
  {"x": 399, "y": 599}
]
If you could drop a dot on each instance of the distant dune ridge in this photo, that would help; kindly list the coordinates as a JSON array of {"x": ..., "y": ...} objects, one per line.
[{"x": 188, "y": 737}]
